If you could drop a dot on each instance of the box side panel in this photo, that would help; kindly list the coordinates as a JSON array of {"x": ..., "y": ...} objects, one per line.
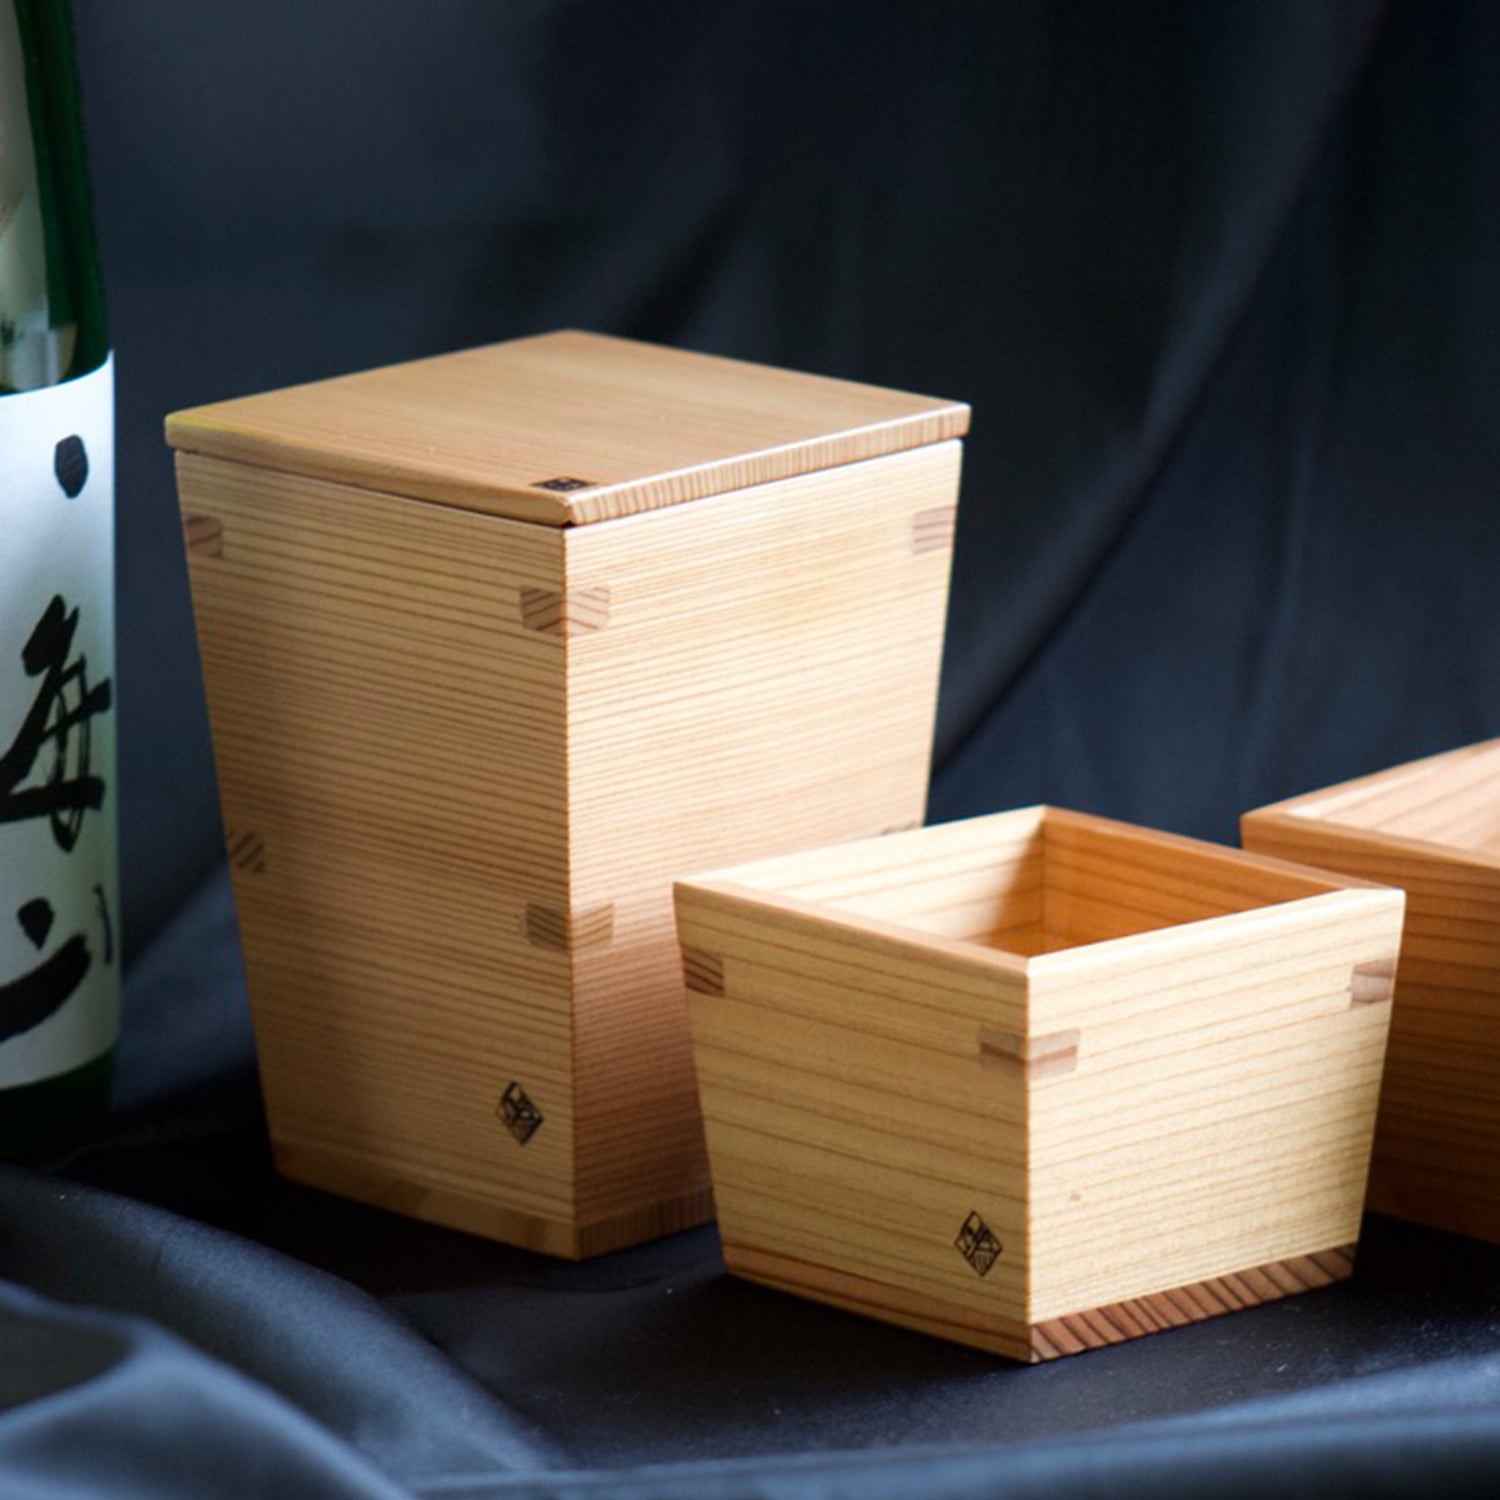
[
  {"x": 1107, "y": 880},
  {"x": 1452, "y": 799},
  {"x": 388, "y": 732},
  {"x": 760, "y": 676},
  {"x": 1437, "y": 1142},
  {"x": 1218, "y": 1113},
  {"x": 974, "y": 881},
  {"x": 867, "y": 1150},
  {"x": 986, "y": 891}
]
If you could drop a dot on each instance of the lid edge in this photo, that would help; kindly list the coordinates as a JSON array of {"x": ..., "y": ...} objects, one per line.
[{"x": 194, "y": 430}]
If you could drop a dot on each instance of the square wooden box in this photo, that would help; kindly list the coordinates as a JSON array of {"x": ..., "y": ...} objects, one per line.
[
  {"x": 1038, "y": 1081},
  {"x": 1431, "y": 827},
  {"x": 495, "y": 643}
]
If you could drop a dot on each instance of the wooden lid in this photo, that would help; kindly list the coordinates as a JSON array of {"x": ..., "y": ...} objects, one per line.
[{"x": 565, "y": 428}]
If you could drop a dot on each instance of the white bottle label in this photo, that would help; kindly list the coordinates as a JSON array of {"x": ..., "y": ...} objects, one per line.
[{"x": 59, "y": 905}]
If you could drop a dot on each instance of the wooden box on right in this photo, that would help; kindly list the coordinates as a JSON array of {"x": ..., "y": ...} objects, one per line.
[{"x": 1432, "y": 827}]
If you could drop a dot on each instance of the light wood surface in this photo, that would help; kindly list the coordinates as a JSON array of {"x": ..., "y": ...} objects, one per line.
[
  {"x": 394, "y": 738},
  {"x": 1431, "y": 827},
  {"x": 470, "y": 752},
  {"x": 567, "y": 428},
  {"x": 1016, "y": 1076},
  {"x": 767, "y": 681}
]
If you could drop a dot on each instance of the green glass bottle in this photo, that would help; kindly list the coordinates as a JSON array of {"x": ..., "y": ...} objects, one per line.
[{"x": 59, "y": 938}]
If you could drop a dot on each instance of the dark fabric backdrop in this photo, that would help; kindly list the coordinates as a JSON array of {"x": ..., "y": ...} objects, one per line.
[{"x": 1222, "y": 284}]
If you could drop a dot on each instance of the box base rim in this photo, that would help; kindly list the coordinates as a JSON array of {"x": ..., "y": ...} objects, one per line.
[
  {"x": 349, "y": 1175},
  {"x": 1051, "y": 1338}
]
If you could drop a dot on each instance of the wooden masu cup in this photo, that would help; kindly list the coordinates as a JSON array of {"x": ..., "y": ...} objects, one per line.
[
  {"x": 1431, "y": 827},
  {"x": 1039, "y": 1081},
  {"x": 495, "y": 643}
]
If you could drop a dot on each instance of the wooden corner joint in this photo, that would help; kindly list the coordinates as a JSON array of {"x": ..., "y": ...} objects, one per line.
[
  {"x": 245, "y": 849},
  {"x": 702, "y": 972},
  {"x": 932, "y": 530},
  {"x": 1030, "y": 1056},
  {"x": 565, "y": 611},
  {"x": 203, "y": 536},
  {"x": 566, "y": 931},
  {"x": 1372, "y": 983}
]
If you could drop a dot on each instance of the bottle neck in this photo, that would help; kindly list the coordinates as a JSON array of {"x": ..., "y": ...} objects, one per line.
[{"x": 52, "y": 325}]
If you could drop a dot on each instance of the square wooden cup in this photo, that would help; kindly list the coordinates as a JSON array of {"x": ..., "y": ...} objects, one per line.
[
  {"x": 1432, "y": 827},
  {"x": 1038, "y": 1081}
]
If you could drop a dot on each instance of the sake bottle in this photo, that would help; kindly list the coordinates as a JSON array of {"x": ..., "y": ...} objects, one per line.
[{"x": 59, "y": 937}]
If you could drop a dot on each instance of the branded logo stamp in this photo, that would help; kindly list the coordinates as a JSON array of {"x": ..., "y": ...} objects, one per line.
[
  {"x": 562, "y": 484},
  {"x": 977, "y": 1244},
  {"x": 522, "y": 1118}
]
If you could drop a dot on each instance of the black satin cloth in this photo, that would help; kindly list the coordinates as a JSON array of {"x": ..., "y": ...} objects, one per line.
[{"x": 175, "y": 1321}]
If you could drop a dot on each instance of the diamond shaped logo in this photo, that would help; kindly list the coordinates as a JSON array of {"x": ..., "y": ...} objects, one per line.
[
  {"x": 562, "y": 484},
  {"x": 522, "y": 1118},
  {"x": 977, "y": 1244}
]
